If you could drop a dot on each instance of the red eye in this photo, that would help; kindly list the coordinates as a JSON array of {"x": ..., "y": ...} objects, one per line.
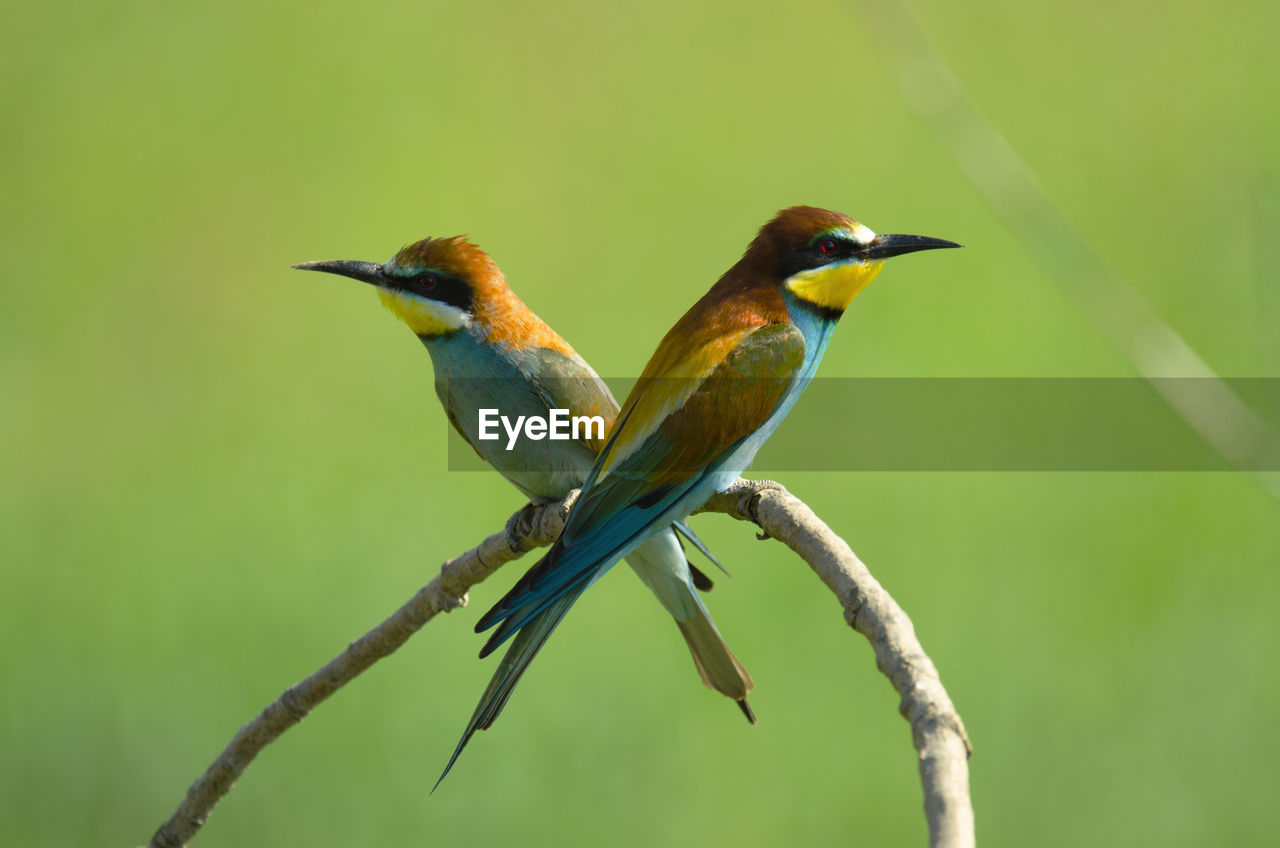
[
  {"x": 427, "y": 281},
  {"x": 827, "y": 246}
]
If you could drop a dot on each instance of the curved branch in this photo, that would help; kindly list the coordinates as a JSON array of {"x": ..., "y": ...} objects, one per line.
[
  {"x": 939, "y": 735},
  {"x": 535, "y": 526}
]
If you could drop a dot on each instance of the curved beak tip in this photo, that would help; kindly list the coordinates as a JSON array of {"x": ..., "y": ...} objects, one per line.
[
  {"x": 365, "y": 272},
  {"x": 895, "y": 244}
]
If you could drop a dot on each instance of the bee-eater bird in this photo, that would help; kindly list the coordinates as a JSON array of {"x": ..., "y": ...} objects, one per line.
[
  {"x": 490, "y": 351},
  {"x": 717, "y": 387}
]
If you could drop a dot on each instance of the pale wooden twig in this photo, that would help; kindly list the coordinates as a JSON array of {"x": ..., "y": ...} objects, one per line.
[
  {"x": 531, "y": 527},
  {"x": 938, "y": 733}
]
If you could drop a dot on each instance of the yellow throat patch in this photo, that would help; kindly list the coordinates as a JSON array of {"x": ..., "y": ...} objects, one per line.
[
  {"x": 833, "y": 286},
  {"x": 424, "y": 317}
]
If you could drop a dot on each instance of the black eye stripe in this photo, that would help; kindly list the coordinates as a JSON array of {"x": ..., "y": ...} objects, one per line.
[
  {"x": 441, "y": 288},
  {"x": 810, "y": 256}
]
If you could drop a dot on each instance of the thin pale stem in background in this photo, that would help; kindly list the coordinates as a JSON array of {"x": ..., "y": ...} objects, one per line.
[{"x": 1155, "y": 349}]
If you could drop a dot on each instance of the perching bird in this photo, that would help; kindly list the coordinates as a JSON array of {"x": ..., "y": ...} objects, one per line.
[
  {"x": 719, "y": 384},
  {"x": 490, "y": 351}
]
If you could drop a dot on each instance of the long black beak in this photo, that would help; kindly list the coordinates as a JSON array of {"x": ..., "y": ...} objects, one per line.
[
  {"x": 365, "y": 272},
  {"x": 882, "y": 247}
]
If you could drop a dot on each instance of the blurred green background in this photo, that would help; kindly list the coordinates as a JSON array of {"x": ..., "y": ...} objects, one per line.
[{"x": 217, "y": 471}]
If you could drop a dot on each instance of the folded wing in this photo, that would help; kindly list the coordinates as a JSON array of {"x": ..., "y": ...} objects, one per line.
[{"x": 648, "y": 466}]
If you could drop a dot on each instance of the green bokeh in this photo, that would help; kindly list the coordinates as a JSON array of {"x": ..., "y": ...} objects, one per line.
[{"x": 216, "y": 471}]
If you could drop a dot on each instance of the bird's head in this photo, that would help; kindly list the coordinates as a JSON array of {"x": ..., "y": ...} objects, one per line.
[
  {"x": 824, "y": 258},
  {"x": 436, "y": 286}
]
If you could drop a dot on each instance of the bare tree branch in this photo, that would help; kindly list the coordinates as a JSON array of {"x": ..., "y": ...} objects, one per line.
[
  {"x": 534, "y": 526},
  {"x": 938, "y": 733}
]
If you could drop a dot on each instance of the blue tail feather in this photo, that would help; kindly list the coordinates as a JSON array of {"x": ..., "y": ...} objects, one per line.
[
  {"x": 687, "y": 532},
  {"x": 523, "y": 649}
]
